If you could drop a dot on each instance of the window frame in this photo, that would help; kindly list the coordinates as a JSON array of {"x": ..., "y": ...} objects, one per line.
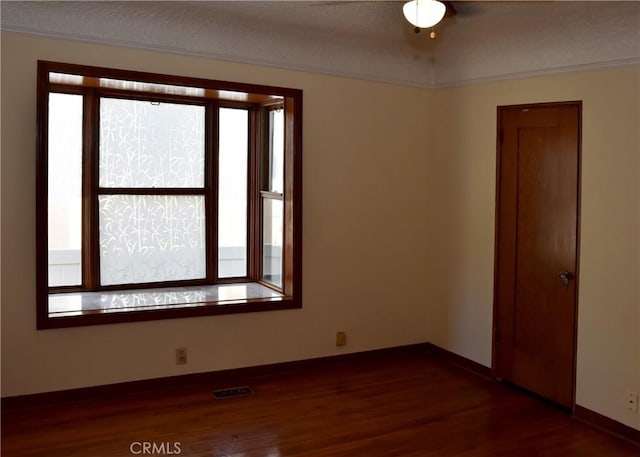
[
  {"x": 265, "y": 190},
  {"x": 258, "y": 99}
]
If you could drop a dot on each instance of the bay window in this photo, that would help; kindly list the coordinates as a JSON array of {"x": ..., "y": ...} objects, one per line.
[{"x": 163, "y": 196}]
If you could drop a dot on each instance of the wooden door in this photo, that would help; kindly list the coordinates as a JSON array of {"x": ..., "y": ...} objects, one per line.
[{"x": 536, "y": 248}]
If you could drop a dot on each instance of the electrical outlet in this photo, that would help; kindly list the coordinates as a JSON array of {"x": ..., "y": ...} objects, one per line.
[
  {"x": 632, "y": 401},
  {"x": 181, "y": 356},
  {"x": 341, "y": 338}
]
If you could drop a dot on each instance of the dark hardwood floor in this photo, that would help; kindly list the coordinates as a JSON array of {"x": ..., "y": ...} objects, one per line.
[{"x": 402, "y": 403}]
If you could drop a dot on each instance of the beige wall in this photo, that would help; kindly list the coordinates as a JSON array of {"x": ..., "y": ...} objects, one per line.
[
  {"x": 362, "y": 248},
  {"x": 609, "y": 300},
  {"x": 399, "y": 205}
]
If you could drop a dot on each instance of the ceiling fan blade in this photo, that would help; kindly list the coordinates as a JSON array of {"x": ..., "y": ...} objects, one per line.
[
  {"x": 465, "y": 8},
  {"x": 334, "y": 2},
  {"x": 451, "y": 10}
]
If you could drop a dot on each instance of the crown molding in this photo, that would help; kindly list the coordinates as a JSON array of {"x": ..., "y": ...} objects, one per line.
[
  {"x": 214, "y": 56},
  {"x": 433, "y": 84},
  {"x": 536, "y": 73}
]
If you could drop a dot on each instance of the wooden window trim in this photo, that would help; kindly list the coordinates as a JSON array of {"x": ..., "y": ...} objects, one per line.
[{"x": 256, "y": 98}]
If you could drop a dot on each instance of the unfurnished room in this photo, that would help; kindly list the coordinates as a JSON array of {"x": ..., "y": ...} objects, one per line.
[{"x": 320, "y": 228}]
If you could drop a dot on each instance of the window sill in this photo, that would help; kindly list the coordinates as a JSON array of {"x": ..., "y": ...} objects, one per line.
[{"x": 93, "y": 308}]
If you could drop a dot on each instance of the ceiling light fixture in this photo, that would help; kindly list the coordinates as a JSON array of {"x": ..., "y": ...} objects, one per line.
[{"x": 423, "y": 14}]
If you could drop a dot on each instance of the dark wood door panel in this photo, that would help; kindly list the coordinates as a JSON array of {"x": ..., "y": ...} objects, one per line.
[{"x": 536, "y": 242}]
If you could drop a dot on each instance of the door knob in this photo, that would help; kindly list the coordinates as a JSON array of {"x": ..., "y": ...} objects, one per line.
[{"x": 565, "y": 276}]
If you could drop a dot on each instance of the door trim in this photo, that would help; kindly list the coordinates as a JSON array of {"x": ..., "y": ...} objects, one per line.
[{"x": 499, "y": 137}]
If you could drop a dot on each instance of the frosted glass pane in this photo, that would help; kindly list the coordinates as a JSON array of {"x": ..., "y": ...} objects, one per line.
[
  {"x": 272, "y": 219},
  {"x": 151, "y": 144},
  {"x": 64, "y": 190},
  {"x": 232, "y": 192},
  {"x": 151, "y": 238}
]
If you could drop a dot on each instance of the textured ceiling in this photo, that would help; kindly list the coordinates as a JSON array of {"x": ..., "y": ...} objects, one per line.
[{"x": 363, "y": 39}]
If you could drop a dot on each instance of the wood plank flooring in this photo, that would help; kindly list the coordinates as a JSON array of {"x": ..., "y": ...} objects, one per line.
[{"x": 404, "y": 403}]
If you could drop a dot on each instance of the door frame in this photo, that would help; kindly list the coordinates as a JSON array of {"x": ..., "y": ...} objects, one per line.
[{"x": 499, "y": 137}]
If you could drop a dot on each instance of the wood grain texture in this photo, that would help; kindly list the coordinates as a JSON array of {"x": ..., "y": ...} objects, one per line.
[
  {"x": 392, "y": 403},
  {"x": 605, "y": 423},
  {"x": 538, "y": 185}
]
